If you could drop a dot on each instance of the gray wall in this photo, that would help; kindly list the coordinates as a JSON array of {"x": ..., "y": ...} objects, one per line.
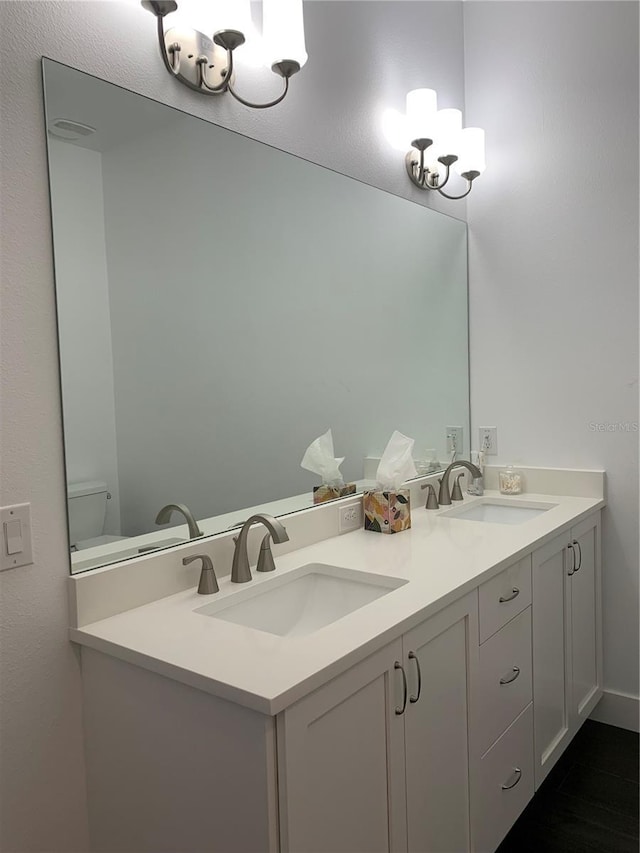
[
  {"x": 553, "y": 254},
  {"x": 269, "y": 322},
  {"x": 379, "y": 51}
]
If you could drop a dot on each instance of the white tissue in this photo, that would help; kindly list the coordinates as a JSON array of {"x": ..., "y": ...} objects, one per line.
[
  {"x": 319, "y": 458},
  {"x": 396, "y": 464}
]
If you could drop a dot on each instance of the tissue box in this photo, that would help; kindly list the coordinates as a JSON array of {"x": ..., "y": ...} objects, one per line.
[
  {"x": 330, "y": 493},
  {"x": 387, "y": 512}
]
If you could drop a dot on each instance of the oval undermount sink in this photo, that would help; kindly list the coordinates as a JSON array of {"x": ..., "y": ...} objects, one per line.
[
  {"x": 498, "y": 511},
  {"x": 302, "y": 601}
]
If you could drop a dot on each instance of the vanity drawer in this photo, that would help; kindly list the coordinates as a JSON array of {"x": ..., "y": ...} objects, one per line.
[
  {"x": 502, "y": 784},
  {"x": 504, "y": 679},
  {"x": 504, "y": 596}
]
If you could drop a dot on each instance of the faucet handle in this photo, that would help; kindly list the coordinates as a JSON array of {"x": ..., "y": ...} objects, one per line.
[
  {"x": 265, "y": 556},
  {"x": 432, "y": 500},
  {"x": 456, "y": 494},
  {"x": 208, "y": 581}
]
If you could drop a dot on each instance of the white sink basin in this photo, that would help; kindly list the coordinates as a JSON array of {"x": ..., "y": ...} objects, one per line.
[
  {"x": 498, "y": 511},
  {"x": 301, "y": 601}
]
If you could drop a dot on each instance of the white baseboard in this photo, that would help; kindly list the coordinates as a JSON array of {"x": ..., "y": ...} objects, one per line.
[{"x": 618, "y": 709}]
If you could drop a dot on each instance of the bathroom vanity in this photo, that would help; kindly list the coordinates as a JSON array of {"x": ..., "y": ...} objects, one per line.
[{"x": 423, "y": 720}]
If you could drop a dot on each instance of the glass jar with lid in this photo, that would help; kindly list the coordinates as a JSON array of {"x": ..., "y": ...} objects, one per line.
[{"x": 511, "y": 481}]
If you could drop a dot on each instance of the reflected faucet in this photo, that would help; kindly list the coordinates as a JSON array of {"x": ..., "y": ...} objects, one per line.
[
  {"x": 240, "y": 571},
  {"x": 165, "y": 514},
  {"x": 444, "y": 498}
]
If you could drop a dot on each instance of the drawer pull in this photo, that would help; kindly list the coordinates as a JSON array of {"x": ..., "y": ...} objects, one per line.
[
  {"x": 507, "y": 679},
  {"x": 413, "y": 656},
  {"x": 515, "y": 592},
  {"x": 513, "y": 780},
  {"x": 401, "y": 710}
]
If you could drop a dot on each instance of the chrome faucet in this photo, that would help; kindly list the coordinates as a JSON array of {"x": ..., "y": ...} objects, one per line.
[
  {"x": 240, "y": 571},
  {"x": 444, "y": 497},
  {"x": 165, "y": 514}
]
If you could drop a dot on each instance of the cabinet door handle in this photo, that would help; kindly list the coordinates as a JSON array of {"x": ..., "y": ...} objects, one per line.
[
  {"x": 413, "y": 656},
  {"x": 573, "y": 560},
  {"x": 515, "y": 592},
  {"x": 577, "y": 545},
  {"x": 507, "y": 679},
  {"x": 513, "y": 780},
  {"x": 399, "y": 711}
]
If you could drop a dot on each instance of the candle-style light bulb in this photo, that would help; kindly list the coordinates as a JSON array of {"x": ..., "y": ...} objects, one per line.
[
  {"x": 283, "y": 31},
  {"x": 422, "y": 106},
  {"x": 471, "y": 157}
]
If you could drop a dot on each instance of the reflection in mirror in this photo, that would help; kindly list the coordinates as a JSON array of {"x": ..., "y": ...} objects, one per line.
[{"x": 220, "y": 305}]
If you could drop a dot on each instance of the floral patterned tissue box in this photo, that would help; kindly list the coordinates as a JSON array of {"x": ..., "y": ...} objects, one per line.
[
  {"x": 387, "y": 512},
  {"x": 331, "y": 493}
]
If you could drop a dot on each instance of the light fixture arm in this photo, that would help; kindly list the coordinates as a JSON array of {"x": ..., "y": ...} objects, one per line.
[
  {"x": 204, "y": 86},
  {"x": 462, "y": 195},
  {"x": 277, "y": 100},
  {"x": 436, "y": 186},
  {"x": 172, "y": 64}
]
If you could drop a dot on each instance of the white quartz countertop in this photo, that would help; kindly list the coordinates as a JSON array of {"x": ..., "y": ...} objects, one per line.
[{"x": 441, "y": 558}]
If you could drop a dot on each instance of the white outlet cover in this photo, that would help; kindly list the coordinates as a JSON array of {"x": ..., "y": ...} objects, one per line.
[
  {"x": 349, "y": 518},
  {"x": 492, "y": 432}
]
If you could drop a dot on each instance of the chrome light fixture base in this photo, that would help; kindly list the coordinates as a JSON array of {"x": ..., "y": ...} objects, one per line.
[{"x": 193, "y": 55}]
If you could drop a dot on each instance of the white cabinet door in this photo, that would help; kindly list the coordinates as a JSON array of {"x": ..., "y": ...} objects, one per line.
[
  {"x": 439, "y": 655},
  {"x": 551, "y": 654},
  {"x": 567, "y": 638},
  {"x": 586, "y": 624},
  {"x": 341, "y": 762}
]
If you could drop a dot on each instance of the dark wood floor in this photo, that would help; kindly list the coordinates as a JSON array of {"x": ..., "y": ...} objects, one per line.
[{"x": 588, "y": 802}]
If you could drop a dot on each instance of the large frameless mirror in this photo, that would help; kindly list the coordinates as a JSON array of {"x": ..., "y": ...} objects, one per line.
[{"x": 222, "y": 303}]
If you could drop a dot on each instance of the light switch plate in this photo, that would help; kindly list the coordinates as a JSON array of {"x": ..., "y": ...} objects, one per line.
[{"x": 15, "y": 535}]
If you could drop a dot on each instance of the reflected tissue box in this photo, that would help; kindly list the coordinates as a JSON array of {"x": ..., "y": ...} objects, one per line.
[
  {"x": 387, "y": 511},
  {"x": 330, "y": 493}
]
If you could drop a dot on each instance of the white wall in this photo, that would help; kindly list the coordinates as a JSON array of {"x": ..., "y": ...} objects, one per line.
[
  {"x": 82, "y": 288},
  {"x": 554, "y": 261},
  {"x": 379, "y": 51}
]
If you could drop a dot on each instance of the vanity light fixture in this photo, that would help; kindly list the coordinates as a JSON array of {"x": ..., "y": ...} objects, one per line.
[
  {"x": 439, "y": 142},
  {"x": 205, "y": 63}
]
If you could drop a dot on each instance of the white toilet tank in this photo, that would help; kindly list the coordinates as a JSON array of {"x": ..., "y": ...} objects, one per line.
[{"x": 87, "y": 504}]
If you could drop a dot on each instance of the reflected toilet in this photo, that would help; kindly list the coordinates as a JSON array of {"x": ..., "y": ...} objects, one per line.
[{"x": 87, "y": 504}]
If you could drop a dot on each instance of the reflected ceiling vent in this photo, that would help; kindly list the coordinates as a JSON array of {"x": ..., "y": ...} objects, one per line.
[{"x": 66, "y": 128}]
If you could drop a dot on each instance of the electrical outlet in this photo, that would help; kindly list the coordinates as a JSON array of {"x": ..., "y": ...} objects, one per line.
[
  {"x": 454, "y": 439},
  {"x": 349, "y": 518},
  {"x": 488, "y": 440}
]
